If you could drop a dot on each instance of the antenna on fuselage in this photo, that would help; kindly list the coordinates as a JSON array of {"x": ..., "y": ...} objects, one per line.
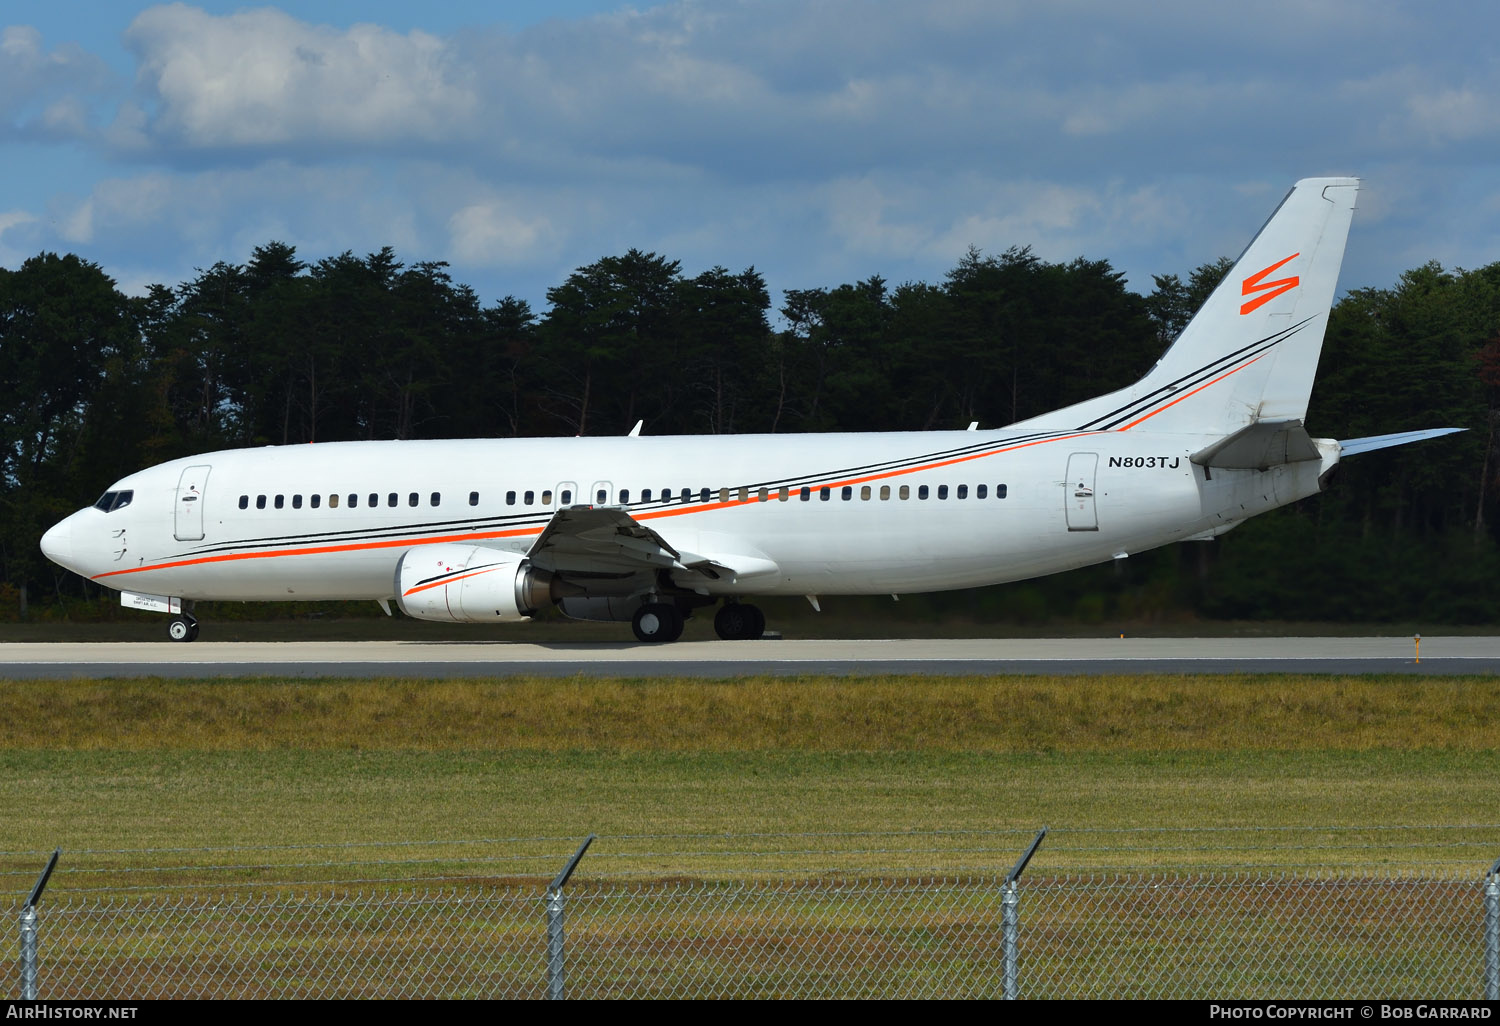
[{"x": 635, "y": 432}]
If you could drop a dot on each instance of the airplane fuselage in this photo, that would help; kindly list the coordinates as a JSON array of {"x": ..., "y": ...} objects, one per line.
[{"x": 796, "y": 514}]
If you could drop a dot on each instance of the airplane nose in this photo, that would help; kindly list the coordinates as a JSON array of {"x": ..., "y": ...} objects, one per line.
[{"x": 57, "y": 543}]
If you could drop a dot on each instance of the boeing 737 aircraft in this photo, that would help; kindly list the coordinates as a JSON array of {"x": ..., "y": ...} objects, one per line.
[{"x": 650, "y": 529}]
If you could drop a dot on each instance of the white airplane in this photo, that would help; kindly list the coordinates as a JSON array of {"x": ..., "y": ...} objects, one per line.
[{"x": 649, "y": 529}]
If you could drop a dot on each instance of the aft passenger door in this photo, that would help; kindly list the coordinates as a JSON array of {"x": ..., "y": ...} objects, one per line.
[
  {"x": 187, "y": 524},
  {"x": 1078, "y": 490}
]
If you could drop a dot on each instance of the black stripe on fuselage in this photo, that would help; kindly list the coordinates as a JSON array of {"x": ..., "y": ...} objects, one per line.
[
  {"x": 539, "y": 518},
  {"x": 1187, "y": 381}
]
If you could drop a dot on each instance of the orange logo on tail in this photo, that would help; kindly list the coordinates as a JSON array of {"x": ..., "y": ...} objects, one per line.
[{"x": 1272, "y": 289}]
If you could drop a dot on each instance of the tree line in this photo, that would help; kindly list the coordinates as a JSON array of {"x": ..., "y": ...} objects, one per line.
[{"x": 279, "y": 350}]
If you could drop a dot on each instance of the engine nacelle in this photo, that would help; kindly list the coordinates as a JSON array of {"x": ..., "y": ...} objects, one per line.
[{"x": 470, "y": 584}]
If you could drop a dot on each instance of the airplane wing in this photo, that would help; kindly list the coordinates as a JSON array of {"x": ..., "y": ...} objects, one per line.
[{"x": 599, "y": 540}]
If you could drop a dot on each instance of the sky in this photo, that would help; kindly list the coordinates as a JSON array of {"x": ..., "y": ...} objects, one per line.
[{"x": 820, "y": 143}]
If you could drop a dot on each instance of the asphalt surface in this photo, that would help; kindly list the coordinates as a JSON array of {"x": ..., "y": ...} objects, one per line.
[{"x": 1065, "y": 656}]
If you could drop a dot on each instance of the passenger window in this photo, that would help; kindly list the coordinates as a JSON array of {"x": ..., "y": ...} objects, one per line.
[
  {"x": 353, "y": 500},
  {"x": 315, "y": 500},
  {"x": 530, "y": 498},
  {"x": 474, "y": 498},
  {"x": 885, "y": 492},
  {"x": 942, "y": 491},
  {"x": 763, "y": 495},
  {"x": 921, "y": 491},
  {"x": 823, "y": 493},
  {"x": 723, "y": 494},
  {"x": 864, "y": 493},
  {"x": 601, "y": 497},
  {"x": 260, "y": 502},
  {"x": 744, "y": 495},
  {"x": 392, "y": 499},
  {"x": 375, "y": 499},
  {"x": 244, "y": 502},
  {"x": 786, "y": 493},
  {"x": 567, "y": 496},
  {"x": 980, "y": 491},
  {"x": 687, "y": 495},
  {"x": 280, "y": 501},
  {"x": 846, "y": 493},
  {"x": 624, "y": 496},
  {"x": 510, "y": 498},
  {"x": 296, "y": 501},
  {"x": 645, "y": 495},
  {"x": 999, "y": 491},
  {"x": 806, "y": 493},
  {"x": 703, "y": 495},
  {"x": 547, "y": 497},
  {"x": 333, "y": 501},
  {"x": 905, "y": 492},
  {"x": 413, "y": 499},
  {"x": 963, "y": 491},
  {"x": 436, "y": 499}
]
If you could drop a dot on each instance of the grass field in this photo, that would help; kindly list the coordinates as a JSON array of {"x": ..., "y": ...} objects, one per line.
[{"x": 358, "y": 780}]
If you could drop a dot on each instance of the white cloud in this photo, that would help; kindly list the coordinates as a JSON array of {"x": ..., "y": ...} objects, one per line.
[
  {"x": 821, "y": 142},
  {"x": 43, "y": 91},
  {"x": 262, "y": 78},
  {"x": 493, "y": 234},
  {"x": 1454, "y": 114},
  {"x": 11, "y": 218},
  {"x": 11, "y": 251}
]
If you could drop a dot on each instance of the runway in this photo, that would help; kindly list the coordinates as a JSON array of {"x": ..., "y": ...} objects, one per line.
[{"x": 723, "y": 659}]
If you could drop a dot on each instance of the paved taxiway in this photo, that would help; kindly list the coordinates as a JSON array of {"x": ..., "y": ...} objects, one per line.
[{"x": 1069, "y": 656}]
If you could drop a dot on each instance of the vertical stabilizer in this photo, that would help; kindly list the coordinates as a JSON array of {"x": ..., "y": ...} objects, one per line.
[{"x": 1250, "y": 353}]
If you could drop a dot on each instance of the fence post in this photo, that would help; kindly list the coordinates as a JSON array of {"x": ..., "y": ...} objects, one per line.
[
  {"x": 1010, "y": 926},
  {"x": 28, "y": 931},
  {"x": 555, "y": 960},
  {"x": 1492, "y": 933}
]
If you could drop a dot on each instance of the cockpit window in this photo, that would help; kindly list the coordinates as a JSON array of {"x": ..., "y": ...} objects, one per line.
[
  {"x": 105, "y": 501},
  {"x": 122, "y": 500},
  {"x": 111, "y": 501}
]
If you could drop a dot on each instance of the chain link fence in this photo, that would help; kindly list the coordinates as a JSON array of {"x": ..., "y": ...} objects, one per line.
[{"x": 1326, "y": 934}]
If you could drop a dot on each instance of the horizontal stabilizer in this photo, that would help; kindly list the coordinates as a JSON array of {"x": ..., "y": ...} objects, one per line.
[
  {"x": 1355, "y": 445},
  {"x": 1264, "y": 444}
]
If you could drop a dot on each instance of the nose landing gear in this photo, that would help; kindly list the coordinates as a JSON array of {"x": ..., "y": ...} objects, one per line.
[{"x": 183, "y": 628}]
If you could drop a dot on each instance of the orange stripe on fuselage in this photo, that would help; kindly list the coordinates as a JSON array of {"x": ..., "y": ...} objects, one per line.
[
  {"x": 1194, "y": 392},
  {"x": 317, "y": 550}
]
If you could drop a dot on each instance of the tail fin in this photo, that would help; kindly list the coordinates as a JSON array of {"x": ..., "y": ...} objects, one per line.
[{"x": 1250, "y": 353}]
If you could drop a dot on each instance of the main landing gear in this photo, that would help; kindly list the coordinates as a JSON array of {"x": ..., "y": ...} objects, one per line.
[
  {"x": 662, "y": 621},
  {"x": 738, "y": 621},
  {"x": 657, "y": 621},
  {"x": 183, "y": 628}
]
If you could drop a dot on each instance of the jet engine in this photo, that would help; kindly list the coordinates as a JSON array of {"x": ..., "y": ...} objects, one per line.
[{"x": 456, "y": 583}]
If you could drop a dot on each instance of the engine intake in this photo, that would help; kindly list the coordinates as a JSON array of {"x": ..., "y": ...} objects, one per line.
[{"x": 471, "y": 584}]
